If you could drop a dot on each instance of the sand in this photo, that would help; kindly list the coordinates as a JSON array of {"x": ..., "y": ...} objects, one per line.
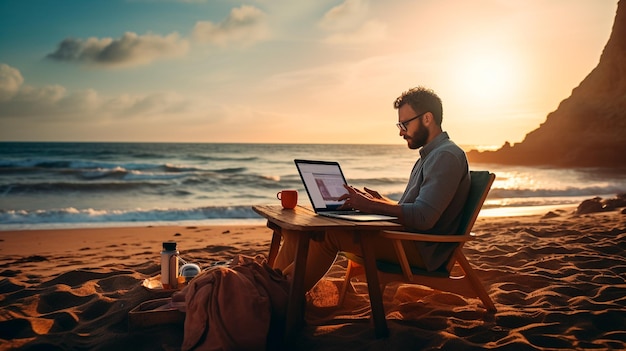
[{"x": 559, "y": 282}]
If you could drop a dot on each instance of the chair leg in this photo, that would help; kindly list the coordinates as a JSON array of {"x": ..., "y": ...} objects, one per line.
[
  {"x": 346, "y": 282},
  {"x": 353, "y": 269},
  {"x": 475, "y": 282},
  {"x": 404, "y": 262}
]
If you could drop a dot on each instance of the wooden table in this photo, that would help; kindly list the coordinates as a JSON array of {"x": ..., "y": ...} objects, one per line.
[{"x": 310, "y": 226}]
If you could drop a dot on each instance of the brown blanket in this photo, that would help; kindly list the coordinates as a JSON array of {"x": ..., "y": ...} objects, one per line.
[{"x": 241, "y": 307}]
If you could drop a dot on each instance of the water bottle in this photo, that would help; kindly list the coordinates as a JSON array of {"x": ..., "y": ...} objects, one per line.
[{"x": 169, "y": 265}]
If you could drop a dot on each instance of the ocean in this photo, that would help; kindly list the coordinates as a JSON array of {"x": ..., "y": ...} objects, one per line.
[{"x": 61, "y": 185}]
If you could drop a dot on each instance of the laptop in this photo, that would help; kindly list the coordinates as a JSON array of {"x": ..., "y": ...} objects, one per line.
[{"x": 324, "y": 181}]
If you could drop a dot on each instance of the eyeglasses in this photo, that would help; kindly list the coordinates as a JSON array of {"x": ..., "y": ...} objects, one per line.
[{"x": 402, "y": 125}]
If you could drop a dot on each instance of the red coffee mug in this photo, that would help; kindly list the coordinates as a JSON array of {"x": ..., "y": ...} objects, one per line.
[{"x": 288, "y": 198}]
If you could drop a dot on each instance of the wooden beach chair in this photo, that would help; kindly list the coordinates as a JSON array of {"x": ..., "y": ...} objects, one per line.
[{"x": 457, "y": 276}]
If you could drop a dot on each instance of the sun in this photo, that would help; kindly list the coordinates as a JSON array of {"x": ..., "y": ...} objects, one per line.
[{"x": 487, "y": 77}]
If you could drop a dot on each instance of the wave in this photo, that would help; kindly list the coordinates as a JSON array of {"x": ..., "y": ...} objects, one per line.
[
  {"x": 223, "y": 159},
  {"x": 119, "y": 181},
  {"x": 532, "y": 196},
  {"x": 76, "y": 216},
  {"x": 497, "y": 193},
  {"x": 34, "y": 165},
  {"x": 232, "y": 180},
  {"x": 232, "y": 170},
  {"x": 30, "y": 188},
  {"x": 91, "y": 171},
  {"x": 113, "y": 177}
]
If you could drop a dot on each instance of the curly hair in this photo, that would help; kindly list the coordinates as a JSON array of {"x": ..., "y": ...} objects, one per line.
[{"x": 422, "y": 100}]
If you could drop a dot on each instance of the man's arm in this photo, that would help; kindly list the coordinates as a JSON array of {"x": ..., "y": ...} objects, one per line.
[
  {"x": 441, "y": 178},
  {"x": 370, "y": 201}
]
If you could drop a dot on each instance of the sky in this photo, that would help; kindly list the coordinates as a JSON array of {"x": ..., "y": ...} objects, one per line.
[{"x": 284, "y": 71}]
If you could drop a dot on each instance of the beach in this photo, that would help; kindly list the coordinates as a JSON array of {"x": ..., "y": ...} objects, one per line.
[
  {"x": 558, "y": 282},
  {"x": 176, "y": 129}
]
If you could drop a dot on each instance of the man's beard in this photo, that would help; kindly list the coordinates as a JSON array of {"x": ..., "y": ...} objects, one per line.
[{"x": 420, "y": 137}]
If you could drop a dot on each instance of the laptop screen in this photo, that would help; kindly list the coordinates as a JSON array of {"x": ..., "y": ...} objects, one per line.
[{"x": 323, "y": 181}]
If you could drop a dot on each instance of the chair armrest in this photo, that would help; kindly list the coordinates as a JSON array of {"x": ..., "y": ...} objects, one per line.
[{"x": 392, "y": 234}]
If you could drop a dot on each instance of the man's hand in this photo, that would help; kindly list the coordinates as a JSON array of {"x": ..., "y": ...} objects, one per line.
[
  {"x": 369, "y": 201},
  {"x": 375, "y": 194},
  {"x": 357, "y": 199}
]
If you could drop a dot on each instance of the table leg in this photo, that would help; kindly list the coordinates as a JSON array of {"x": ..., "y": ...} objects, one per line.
[
  {"x": 295, "y": 307},
  {"x": 373, "y": 287},
  {"x": 274, "y": 246}
]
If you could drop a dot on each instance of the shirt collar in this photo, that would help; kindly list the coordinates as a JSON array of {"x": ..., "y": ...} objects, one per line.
[{"x": 428, "y": 148}]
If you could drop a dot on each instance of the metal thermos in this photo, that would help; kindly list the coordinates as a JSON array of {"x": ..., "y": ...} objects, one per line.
[{"x": 169, "y": 265}]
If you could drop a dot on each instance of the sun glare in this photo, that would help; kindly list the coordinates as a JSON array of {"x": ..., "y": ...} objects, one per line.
[{"x": 487, "y": 77}]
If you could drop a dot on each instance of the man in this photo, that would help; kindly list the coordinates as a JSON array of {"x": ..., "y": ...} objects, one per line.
[{"x": 432, "y": 201}]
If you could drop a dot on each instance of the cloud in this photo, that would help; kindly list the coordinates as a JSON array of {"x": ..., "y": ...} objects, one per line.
[
  {"x": 129, "y": 50},
  {"x": 147, "y": 105},
  {"x": 54, "y": 102},
  {"x": 346, "y": 15},
  {"x": 10, "y": 81},
  {"x": 29, "y": 102},
  {"x": 347, "y": 24},
  {"x": 370, "y": 31},
  {"x": 244, "y": 25}
]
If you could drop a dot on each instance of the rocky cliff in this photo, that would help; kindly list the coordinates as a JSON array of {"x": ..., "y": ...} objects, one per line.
[{"x": 588, "y": 129}]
